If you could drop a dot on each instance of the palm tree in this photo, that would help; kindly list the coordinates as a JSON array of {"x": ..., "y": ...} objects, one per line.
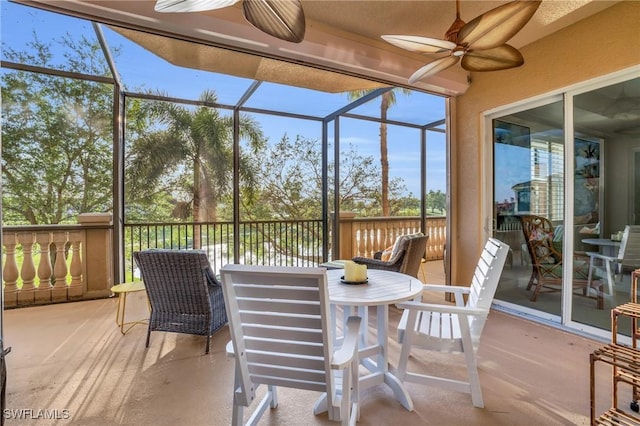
[
  {"x": 192, "y": 152},
  {"x": 387, "y": 100}
]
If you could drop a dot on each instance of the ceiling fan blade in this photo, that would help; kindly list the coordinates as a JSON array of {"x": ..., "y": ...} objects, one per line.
[
  {"x": 419, "y": 44},
  {"x": 283, "y": 19},
  {"x": 499, "y": 58},
  {"x": 495, "y": 27},
  {"x": 433, "y": 68},
  {"x": 191, "y": 5}
]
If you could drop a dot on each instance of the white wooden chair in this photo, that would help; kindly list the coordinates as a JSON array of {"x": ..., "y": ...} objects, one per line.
[
  {"x": 449, "y": 328},
  {"x": 628, "y": 258},
  {"x": 281, "y": 335}
]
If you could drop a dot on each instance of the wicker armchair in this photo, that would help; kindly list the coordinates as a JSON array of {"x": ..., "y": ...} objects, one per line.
[
  {"x": 184, "y": 295},
  {"x": 545, "y": 251},
  {"x": 409, "y": 250}
]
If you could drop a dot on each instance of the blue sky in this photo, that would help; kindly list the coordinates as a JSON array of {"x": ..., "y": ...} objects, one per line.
[{"x": 140, "y": 69}]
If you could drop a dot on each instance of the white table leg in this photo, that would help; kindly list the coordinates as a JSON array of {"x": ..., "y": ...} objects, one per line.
[{"x": 374, "y": 356}]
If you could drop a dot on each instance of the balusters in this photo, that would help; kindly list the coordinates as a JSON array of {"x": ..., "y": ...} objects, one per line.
[
  {"x": 30, "y": 274},
  {"x": 10, "y": 271},
  {"x": 43, "y": 293},
  {"x": 59, "y": 291},
  {"x": 372, "y": 235},
  {"x": 26, "y": 296},
  {"x": 361, "y": 240},
  {"x": 75, "y": 289}
]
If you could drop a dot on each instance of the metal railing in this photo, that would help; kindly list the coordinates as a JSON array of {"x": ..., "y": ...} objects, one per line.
[{"x": 282, "y": 242}]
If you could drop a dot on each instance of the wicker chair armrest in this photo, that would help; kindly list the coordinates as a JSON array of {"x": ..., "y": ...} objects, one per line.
[
  {"x": 392, "y": 264},
  {"x": 212, "y": 280}
]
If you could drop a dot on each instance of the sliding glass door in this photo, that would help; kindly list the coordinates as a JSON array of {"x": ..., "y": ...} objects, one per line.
[
  {"x": 566, "y": 183},
  {"x": 528, "y": 154},
  {"x": 606, "y": 130}
]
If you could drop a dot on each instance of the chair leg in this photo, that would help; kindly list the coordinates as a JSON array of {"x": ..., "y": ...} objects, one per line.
[
  {"x": 422, "y": 274},
  {"x": 536, "y": 291},
  {"x": 472, "y": 366},
  {"x": 274, "y": 396},
  {"x": 610, "y": 279},
  {"x": 206, "y": 351},
  {"x": 237, "y": 414},
  {"x": 474, "y": 379},
  {"x": 532, "y": 279},
  {"x": 148, "y": 336},
  {"x": 405, "y": 351},
  {"x": 590, "y": 275}
]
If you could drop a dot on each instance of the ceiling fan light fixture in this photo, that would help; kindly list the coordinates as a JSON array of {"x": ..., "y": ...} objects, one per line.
[{"x": 624, "y": 107}]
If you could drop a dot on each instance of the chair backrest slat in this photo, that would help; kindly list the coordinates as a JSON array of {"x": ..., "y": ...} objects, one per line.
[
  {"x": 295, "y": 334},
  {"x": 268, "y": 319},
  {"x": 485, "y": 282}
]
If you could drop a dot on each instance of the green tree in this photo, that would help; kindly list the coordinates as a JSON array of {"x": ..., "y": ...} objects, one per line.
[
  {"x": 56, "y": 135},
  {"x": 387, "y": 100},
  {"x": 188, "y": 155},
  {"x": 436, "y": 200},
  {"x": 290, "y": 186}
]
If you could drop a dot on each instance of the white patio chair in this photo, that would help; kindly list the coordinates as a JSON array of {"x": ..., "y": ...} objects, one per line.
[
  {"x": 448, "y": 328},
  {"x": 628, "y": 259},
  {"x": 281, "y": 335}
]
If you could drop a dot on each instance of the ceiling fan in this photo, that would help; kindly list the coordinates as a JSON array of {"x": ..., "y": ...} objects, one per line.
[
  {"x": 479, "y": 45},
  {"x": 283, "y": 19}
]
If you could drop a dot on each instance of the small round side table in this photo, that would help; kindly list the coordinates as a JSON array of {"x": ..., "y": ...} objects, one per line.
[{"x": 122, "y": 290}]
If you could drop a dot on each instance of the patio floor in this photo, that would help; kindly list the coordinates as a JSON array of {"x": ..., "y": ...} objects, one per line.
[{"x": 71, "y": 360}]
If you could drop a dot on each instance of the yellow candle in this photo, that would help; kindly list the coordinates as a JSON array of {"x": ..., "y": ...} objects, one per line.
[
  {"x": 361, "y": 272},
  {"x": 354, "y": 272},
  {"x": 350, "y": 271}
]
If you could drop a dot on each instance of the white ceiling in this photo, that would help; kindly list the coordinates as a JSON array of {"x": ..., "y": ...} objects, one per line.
[{"x": 341, "y": 35}]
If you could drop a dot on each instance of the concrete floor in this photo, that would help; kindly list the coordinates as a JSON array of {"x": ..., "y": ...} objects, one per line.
[{"x": 70, "y": 361}]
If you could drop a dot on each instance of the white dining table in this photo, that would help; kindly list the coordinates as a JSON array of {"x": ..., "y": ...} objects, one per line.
[
  {"x": 383, "y": 288},
  {"x": 606, "y": 246}
]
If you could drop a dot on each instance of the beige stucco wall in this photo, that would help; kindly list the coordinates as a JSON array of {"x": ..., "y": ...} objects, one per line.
[{"x": 596, "y": 46}]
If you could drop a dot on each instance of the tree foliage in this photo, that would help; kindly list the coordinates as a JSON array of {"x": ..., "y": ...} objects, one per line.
[
  {"x": 436, "y": 200},
  {"x": 185, "y": 154},
  {"x": 56, "y": 136},
  {"x": 290, "y": 185},
  {"x": 387, "y": 100}
]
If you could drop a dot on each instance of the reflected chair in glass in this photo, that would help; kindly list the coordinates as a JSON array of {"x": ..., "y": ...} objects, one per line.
[
  {"x": 449, "y": 328},
  {"x": 627, "y": 260},
  {"x": 282, "y": 335},
  {"x": 547, "y": 261}
]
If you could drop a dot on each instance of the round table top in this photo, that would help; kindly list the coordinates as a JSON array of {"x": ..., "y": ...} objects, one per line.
[
  {"x": 382, "y": 288},
  {"x": 128, "y": 287},
  {"x": 601, "y": 242}
]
